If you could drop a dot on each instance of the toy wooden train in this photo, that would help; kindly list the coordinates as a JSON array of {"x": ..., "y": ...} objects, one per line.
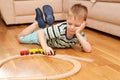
[{"x": 31, "y": 51}]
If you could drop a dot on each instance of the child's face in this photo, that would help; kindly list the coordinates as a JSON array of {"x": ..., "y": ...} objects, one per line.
[{"x": 73, "y": 25}]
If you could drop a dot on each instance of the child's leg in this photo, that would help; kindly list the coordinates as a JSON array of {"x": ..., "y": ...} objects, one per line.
[
  {"x": 29, "y": 29},
  {"x": 49, "y": 15}
]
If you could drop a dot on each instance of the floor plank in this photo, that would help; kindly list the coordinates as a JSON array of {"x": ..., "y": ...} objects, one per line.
[{"x": 105, "y": 53}]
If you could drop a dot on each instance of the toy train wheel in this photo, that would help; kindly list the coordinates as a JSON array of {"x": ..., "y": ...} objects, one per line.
[{"x": 31, "y": 52}]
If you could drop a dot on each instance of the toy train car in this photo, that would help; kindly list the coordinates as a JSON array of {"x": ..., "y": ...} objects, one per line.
[{"x": 31, "y": 51}]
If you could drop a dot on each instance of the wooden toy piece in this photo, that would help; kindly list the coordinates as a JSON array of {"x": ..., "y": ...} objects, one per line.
[
  {"x": 32, "y": 51},
  {"x": 36, "y": 51},
  {"x": 40, "y": 51},
  {"x": 24, "y": 52},
  {"x": 75, "y": 69},
  {"x": 71, "y": 59}
]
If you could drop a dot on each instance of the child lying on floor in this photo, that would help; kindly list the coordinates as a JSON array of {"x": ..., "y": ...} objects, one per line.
[{"x": 62, "y": 35}]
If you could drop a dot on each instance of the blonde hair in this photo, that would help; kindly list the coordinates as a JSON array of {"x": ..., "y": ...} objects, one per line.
[{"x": 78, "y": 11}]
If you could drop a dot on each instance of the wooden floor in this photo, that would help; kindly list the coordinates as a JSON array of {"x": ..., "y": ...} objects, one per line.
[{"x": 105, "y": 53}]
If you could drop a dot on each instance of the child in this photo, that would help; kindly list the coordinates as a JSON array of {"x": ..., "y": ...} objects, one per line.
[{"x": 62, "y": 35}]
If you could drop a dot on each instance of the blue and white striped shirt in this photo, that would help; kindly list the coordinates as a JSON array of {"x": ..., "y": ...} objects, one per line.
[{"x": 56, "y": 36}]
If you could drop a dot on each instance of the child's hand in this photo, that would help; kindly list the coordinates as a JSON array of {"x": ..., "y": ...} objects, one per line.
[
  {"x": 48, "y": 51},
  {"x": 81, "y": 27}
]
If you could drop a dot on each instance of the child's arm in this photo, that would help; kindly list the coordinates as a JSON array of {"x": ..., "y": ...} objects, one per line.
[
  {"x": 84, "y": 43},
  {"x": 42, "y": 39}
]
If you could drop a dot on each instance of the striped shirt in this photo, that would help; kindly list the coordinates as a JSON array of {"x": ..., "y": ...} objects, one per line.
[{"x": 56, "y": 36}]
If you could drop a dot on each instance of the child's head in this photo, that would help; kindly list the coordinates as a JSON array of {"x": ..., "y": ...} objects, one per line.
[
  {"x": 76, "y": 16},
  {"x": 77, "y": 11}
]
